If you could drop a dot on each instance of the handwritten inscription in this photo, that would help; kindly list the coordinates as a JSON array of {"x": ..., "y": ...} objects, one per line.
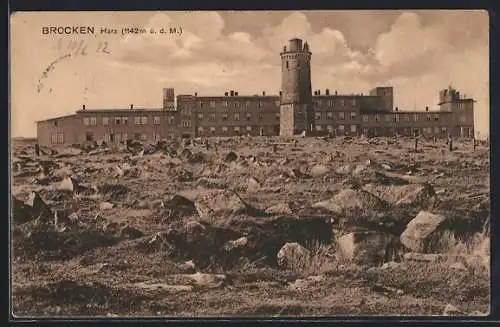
[{"x": 47, "y": 70}]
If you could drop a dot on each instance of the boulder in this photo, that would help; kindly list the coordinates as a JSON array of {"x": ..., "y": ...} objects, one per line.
[
  {"x": 130, "y": 232},
  {"x": 352, "y": 202},
  {"x": 279, "y": 209},
  {"x": 368, "y": 247},
  {"x": 106, "y": 206},
  {"x": 422, "y": 232},
  {"x": 231, "y": 156},
  {"x": 293, "y": 255},
  {"x": 416, "y": 196},
  {"x": 319, "y": 171},
  {"x": 66, "y": 185},
  {"x": 219, "y": 204},
  {"x": 253, "y": 185},
  {"x": 179, "y": 206}
]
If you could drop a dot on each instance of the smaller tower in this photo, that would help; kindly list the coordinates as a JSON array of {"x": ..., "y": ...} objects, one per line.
[
  {"x": 462, "y": 109},
  {"x": 168, "y": 99}
]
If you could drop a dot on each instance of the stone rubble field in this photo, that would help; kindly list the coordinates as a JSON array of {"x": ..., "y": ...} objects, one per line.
[{"x": 252, "y": 226}]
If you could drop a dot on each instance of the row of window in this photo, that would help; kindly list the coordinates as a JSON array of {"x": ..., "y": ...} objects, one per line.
[
  {"x": 340, "y": 128},
  {"x": 122, "y": 137},
  {"x": 404, "y": 117},
  {"x": 331, "y": 103},
  {"x": 138, "y": 120},
  {"x": 236, "y": 116},
  {"x": 341, "y": 115},
  {"x": 407, "y": 131},
  {"x": 234, "y": 104}
]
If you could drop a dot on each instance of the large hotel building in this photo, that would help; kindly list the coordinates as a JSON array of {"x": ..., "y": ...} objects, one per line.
[{"x": 297, "y": 109}]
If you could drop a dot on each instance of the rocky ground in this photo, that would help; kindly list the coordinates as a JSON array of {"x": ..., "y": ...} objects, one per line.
[{"x": 252, "y": 227}]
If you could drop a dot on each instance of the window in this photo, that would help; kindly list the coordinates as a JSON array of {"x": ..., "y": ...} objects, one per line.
[
  {"x": 443, "y": 129},
  {"x": 212, "y": 130},
  {"x": 341, "y": 128},
  {"x": 436, "y": 117},
  {"x": 212, "y": 116},
  {"x": 236, "y": 128},
  {"x": 144, "y": 120},
  {"x": 353, "y": 128},
  {"x": 212, "y": 104},
  {"x": 86, "y": 121},
  {"x": 144, "y": 137},
  {"x": 247, "y": 104},
  {"x": 407, "y": 117},
  {"x": 201, "y": 104},
  {"x": 156, "y": 136},
  {"x": 248, "y": 116},
  {"x": 436, "y": 130},
  {"x": 156, "y": 120},
  {"x": 260, "y": 104},
  {"x": 105, "y": 121},
  {"x": 185, "y": 123},
  {"x": 224, "y": 116},
  {"x": 93, "y": 121},
  {"x": 237, "y": 116},
  {"x": 224, "y": 103},
  {"x": 317, "y": 115},
  {"x": 377, "y": 117},
  {"x": 171, "y": 120},
  {"x": 137, "y": 120},
  {"x": 428, "y": 117},
  {"x": 365, "y": 131},
  {"x": 89, "y": 136},
  {"x": 186, "y": 111},
  {"x": 107, "y": 137},
  {"x": 287, "y": 64},
  {"x": 224, "y": 129},
  {"x": 329, "y": 128},
  {"x": 261, "y": 116},
  {"x": 236, "y": 104},
  {"x": 353, "y": 115},
  {"x": 55, "y": 123},
  {"x": 342, "y": 102},
  {"x": 415, "y": 117},
  {"x": 353, "y": 103},
  {"x": 329, "y": 115},
  {"x": 331, "y": 103},
  {"x": 387, "y": 117},
  {"x": 341, "y": 115},
  {"x": 249, "y": 128},
  {"x": 277, "y": 116},
  {"x": 396, "y": 118},
  {"x": 318, "y": 128},
  {"x": 124, "y": 137},
  {"x": 200, "y": 116},
  {"x": 57, "y": 138},
  {"x": 365, "y": 117},
  {"x": 200, "y": 129},
  {"x": 277, "y": 103}
]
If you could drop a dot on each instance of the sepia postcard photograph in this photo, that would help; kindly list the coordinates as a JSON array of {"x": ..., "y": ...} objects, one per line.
[{"x": 249, "y": 163}]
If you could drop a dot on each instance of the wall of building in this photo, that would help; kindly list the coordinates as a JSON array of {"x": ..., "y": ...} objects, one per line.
[{"x": 62, "y": 130}]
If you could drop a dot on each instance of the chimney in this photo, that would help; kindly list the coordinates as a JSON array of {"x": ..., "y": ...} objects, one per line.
[
  {"x": 327, "y": 91},
  {"x": 281, "y": 92},
  {"x": 426, "y": 108},
  {"x": 396, "y": 109},
  {"x": 336, "y": 92},
  {"x": 319, "y": 92},
  {"x": 263, "y": 93},
  {"x": 131, "y": 106},
  {"x": 232, "y": 93},
  {"x": 235, "y": 93},
  {"x": 226, "y": 93},
  {"x": 83, "y": 107}
]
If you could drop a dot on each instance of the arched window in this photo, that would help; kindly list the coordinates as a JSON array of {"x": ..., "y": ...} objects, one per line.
[{"x": 287, "y": 64}]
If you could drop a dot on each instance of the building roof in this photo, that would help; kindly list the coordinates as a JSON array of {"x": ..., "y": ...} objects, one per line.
[
  {"x": 121, "y": 110},
  {"x": 55, "y": 118}
]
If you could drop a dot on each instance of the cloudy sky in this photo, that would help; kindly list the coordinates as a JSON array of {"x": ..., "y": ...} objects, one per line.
[{"x": 417, "y": 52}]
